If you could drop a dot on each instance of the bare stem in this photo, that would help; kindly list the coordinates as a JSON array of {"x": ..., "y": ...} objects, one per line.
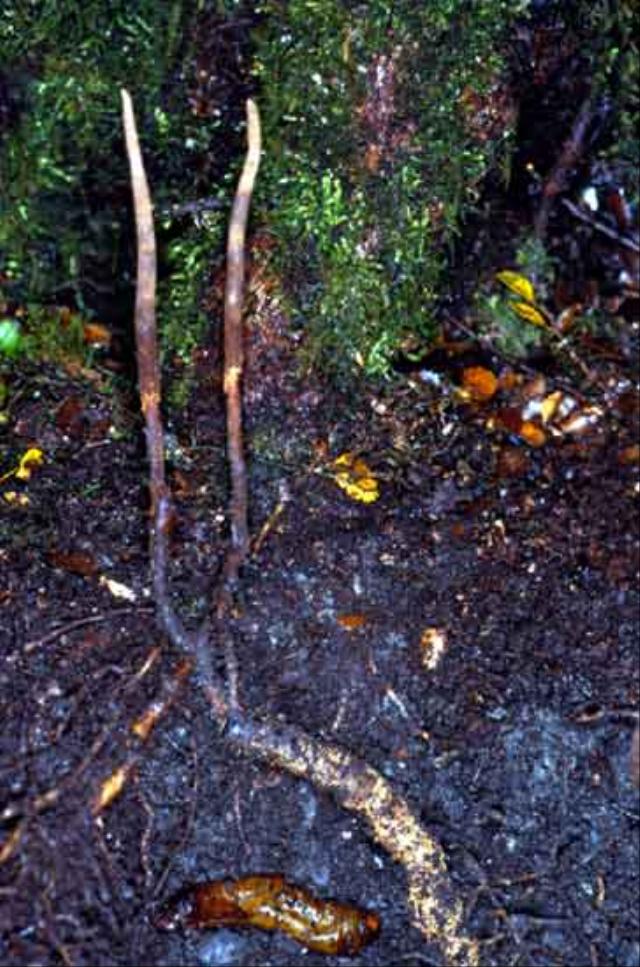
[
  {"x": 149, "y": 380},
  {"x": 233, "y": 348}
]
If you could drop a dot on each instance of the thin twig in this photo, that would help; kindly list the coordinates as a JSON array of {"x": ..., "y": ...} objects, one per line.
[
  {"x": 233, "y": 365},
  {"x": 601, "y": 227},
  {"x": 558, "y": 179},
  {"x": 64, "y": 629}
]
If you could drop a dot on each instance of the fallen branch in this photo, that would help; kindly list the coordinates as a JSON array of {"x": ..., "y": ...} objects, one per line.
[{"x": 355, "y": 785}]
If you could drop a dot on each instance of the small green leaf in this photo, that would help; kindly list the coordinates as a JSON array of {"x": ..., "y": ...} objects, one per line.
[{"x": 10, "y": 337}]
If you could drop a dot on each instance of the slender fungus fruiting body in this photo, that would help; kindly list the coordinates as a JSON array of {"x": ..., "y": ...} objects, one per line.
[{"x": 269, "y": 902}]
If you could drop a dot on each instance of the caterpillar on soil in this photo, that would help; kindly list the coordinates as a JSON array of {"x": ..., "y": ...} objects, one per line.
[{"x": 270, "y": 902}]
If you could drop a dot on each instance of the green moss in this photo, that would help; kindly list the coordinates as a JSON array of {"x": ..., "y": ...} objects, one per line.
[
  {"x": 370, "y": 160},
  {"x": 65, "y": 219}
]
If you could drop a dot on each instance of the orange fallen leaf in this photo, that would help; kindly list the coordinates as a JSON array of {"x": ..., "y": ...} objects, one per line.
[
  {"x": 351, "y": 621},
  {"x": 270, "y": 902},
  {"x": 630, "y": 455},
  {"x": 532, "y": 434},
  {"x": 480, "y": 383},
  {"x": 96, "y": 334}
]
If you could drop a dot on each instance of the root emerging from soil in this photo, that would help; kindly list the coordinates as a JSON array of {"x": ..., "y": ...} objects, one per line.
[{"x": 354, "y": 784}]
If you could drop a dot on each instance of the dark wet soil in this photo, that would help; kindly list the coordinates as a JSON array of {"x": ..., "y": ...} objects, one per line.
[{"x": 512, "y": 745}]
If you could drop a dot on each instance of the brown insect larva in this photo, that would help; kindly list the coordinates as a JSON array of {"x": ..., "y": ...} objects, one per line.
[{"x": 269, "y": 902}]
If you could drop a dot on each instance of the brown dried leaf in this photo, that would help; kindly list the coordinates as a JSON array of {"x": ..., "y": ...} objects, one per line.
[
  {"x": 70, "y": 416},
  {"x": 76, "y": 562},
  {"x": 630, "y": 455},
  {"x": 513, "y": 462}
]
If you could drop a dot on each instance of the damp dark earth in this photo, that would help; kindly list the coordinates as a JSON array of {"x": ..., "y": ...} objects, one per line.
[
  {"x": 472, "y": 635},
  {"x": 432, "y": 757}
]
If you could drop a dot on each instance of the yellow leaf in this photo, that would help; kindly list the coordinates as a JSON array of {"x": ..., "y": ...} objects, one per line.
[
  {"x": 32, "y": 458},
  {"x": 549, "y": 405},
  {"x": 344, "y": 460},
  {"x": 517, "y": 283},
  {"x": 530, "y": 313},
  {"x": 354, "y": 477},
  {"x": 110, "y": 789},
  {"x": 12, "y": 497}
]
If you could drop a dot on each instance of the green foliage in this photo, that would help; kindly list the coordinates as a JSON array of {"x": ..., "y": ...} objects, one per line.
[
  {"x": 370, "y": 159},
  {"x": 10, "y": 338},
  {"x": 614, "y": 27},
  {"x": 65, "y": 211},
  {"x": 67, "y": 63},
  {"x": 187, "y": 260},
  {"x": 53, "y": 336},
  {"x": 494, "y": 310}
]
